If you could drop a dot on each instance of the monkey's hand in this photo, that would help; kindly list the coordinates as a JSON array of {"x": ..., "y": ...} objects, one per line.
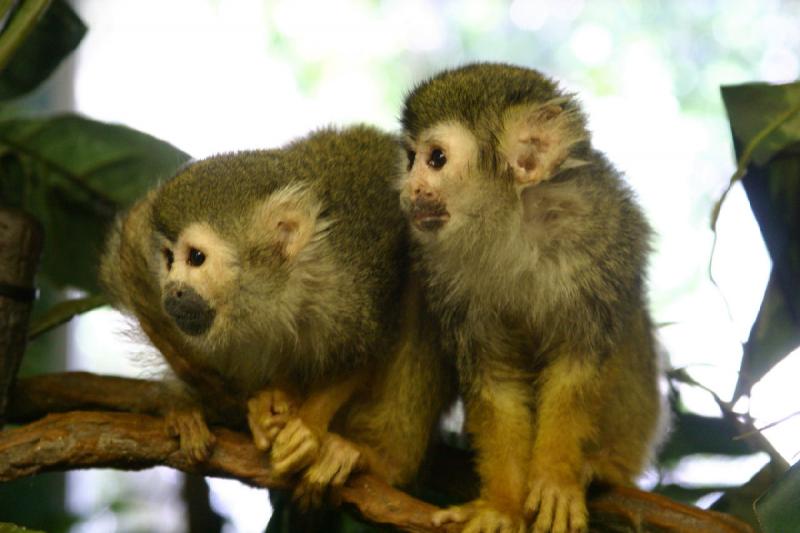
[
  {"x": 338, "y": 458},
  {"x": 190, "y": 427},
  {"x": 267, "y": 413},
  {"x": 479, "y": 516},
  {"x": 557, "y": 507},
  {"x": 296, "y": 447}
]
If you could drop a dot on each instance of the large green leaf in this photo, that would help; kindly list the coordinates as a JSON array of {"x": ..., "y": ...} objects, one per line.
[
  {"x": 74, "y": 174},
  {"x": 765, "y": 120},
  {"x": 753, "y": 107},
  {"x": 57, "y": 33},
  {"x": 778, "y": 510}
]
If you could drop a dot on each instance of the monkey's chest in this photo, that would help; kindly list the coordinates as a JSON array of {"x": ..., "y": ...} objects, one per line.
[{"x": 495, "y": 341}]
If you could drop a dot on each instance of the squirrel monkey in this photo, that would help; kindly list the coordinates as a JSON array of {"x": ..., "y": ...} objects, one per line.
[
  {"x": 284, "y": 273},
  {"x": 533, "y": 252}
]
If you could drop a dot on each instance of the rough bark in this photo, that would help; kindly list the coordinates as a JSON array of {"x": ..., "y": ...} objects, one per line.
[
  {"x": 20, "y": 247},
  {"x": 132, "y": 438}
]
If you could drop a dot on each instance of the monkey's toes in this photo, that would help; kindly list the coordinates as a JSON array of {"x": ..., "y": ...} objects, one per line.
[
  {"x": 456, "y": 514},
  {"x": 265, "y": 428},
  {"x": 338, "y": 459},
  {"x": 558, "y": 509},
  {"x": 196, "y": 440},
  {"x": 480, "y": 517},
  {"x": 267, "y": 413},
  {"x": 295, "y": 447}
]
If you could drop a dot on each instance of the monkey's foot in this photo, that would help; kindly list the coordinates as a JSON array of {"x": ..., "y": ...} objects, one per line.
[
  {"x": 267, "y": 413},
  {"x": 558, "y": 508},
  {"x": 295, "y": 447},
  {"x": 338, "y": 458},
  {"x": 190, "y": 427},
  {"x": 479, "y": 516}
]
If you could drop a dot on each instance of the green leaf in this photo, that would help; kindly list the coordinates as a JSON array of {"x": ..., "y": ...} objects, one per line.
[
  {"x": 765, "y": 120},
  {"x": 63, "y": 312},
  {"x": 753, "y": 107},
  {"x": 74, "y": 174},
  {"x": 54, "y": 37},
  {"x": 778, "y": 510},
  {"x": 5, "y": 527},
  {"x": 738, "y": 501},
  {"x": 774, "y": 334}
]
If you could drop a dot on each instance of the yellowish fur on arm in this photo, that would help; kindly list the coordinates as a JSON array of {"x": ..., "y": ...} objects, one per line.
[
  {"x": 322, "y": 404},
  {"x": 500, "y": 422},
  {"x": 563, "y": 419},
  {"x": 559, "y": 470}
]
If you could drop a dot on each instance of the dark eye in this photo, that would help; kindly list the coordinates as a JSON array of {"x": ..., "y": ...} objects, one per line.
[
  {"x": 170, "y": 257},
  {"x": 196, "y": 257},
  {"x": 437, "y": 159},
  {"x": 411, "y": 154}
]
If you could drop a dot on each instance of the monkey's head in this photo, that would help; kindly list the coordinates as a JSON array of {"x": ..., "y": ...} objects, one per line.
[
  {"x": 224, "y": 247},
  {"x": 477, "y": 137}
]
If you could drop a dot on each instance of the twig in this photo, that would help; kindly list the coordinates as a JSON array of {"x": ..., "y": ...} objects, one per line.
[
  {"x": 770, "y": 425},
  {"x": 746, "y": 429}
]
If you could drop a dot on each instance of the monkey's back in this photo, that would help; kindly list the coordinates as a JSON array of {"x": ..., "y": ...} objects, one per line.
[{"x": 353, "y": 172}]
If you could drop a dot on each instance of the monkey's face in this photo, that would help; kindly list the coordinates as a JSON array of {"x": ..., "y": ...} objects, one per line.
[
  {"x": 453, "y": 181},
  {"x": 197, "y": 272},
  {"x": 233, "y": 288},
  {"x": 438, "y": 191}
]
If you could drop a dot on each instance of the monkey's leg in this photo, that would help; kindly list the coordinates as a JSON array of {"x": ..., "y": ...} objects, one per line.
[
  {"x": 267, "y": 413},
  {"x": 559, "y": 471},
  {"x": 298, "y": 443},
  {"x": 501, "y": 423}
]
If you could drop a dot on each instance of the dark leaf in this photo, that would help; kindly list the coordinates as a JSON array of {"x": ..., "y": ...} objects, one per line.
[
  {"x": 778, "y": 510},
  {"x": 738, "y": 501},
  {"x": 695, "y": 434},
  {"x": 74, "y": 174},
  {"x": 753, "y": 107},
  {"x": 56, "y": 34},
  {"x": 772, "y": 183},
  {"x": 774, "y": 334}
]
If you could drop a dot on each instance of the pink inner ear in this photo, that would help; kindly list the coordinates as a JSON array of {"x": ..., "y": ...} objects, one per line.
[
  {"x": 549, "y": 112},
  {"x": 286, "y": 230},
  {"x": 527, "y": 161}
]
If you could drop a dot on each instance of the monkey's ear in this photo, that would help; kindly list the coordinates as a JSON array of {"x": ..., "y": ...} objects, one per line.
[
  {"x": 287, "y": 220},
  {"x": 536, "y": 140},
  {"x": 293, "y": 230}
]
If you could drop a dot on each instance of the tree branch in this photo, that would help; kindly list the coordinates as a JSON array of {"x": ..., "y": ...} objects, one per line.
[
  {"x": 20, "y": 246},
  {"x": 132, "y": 439}
]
